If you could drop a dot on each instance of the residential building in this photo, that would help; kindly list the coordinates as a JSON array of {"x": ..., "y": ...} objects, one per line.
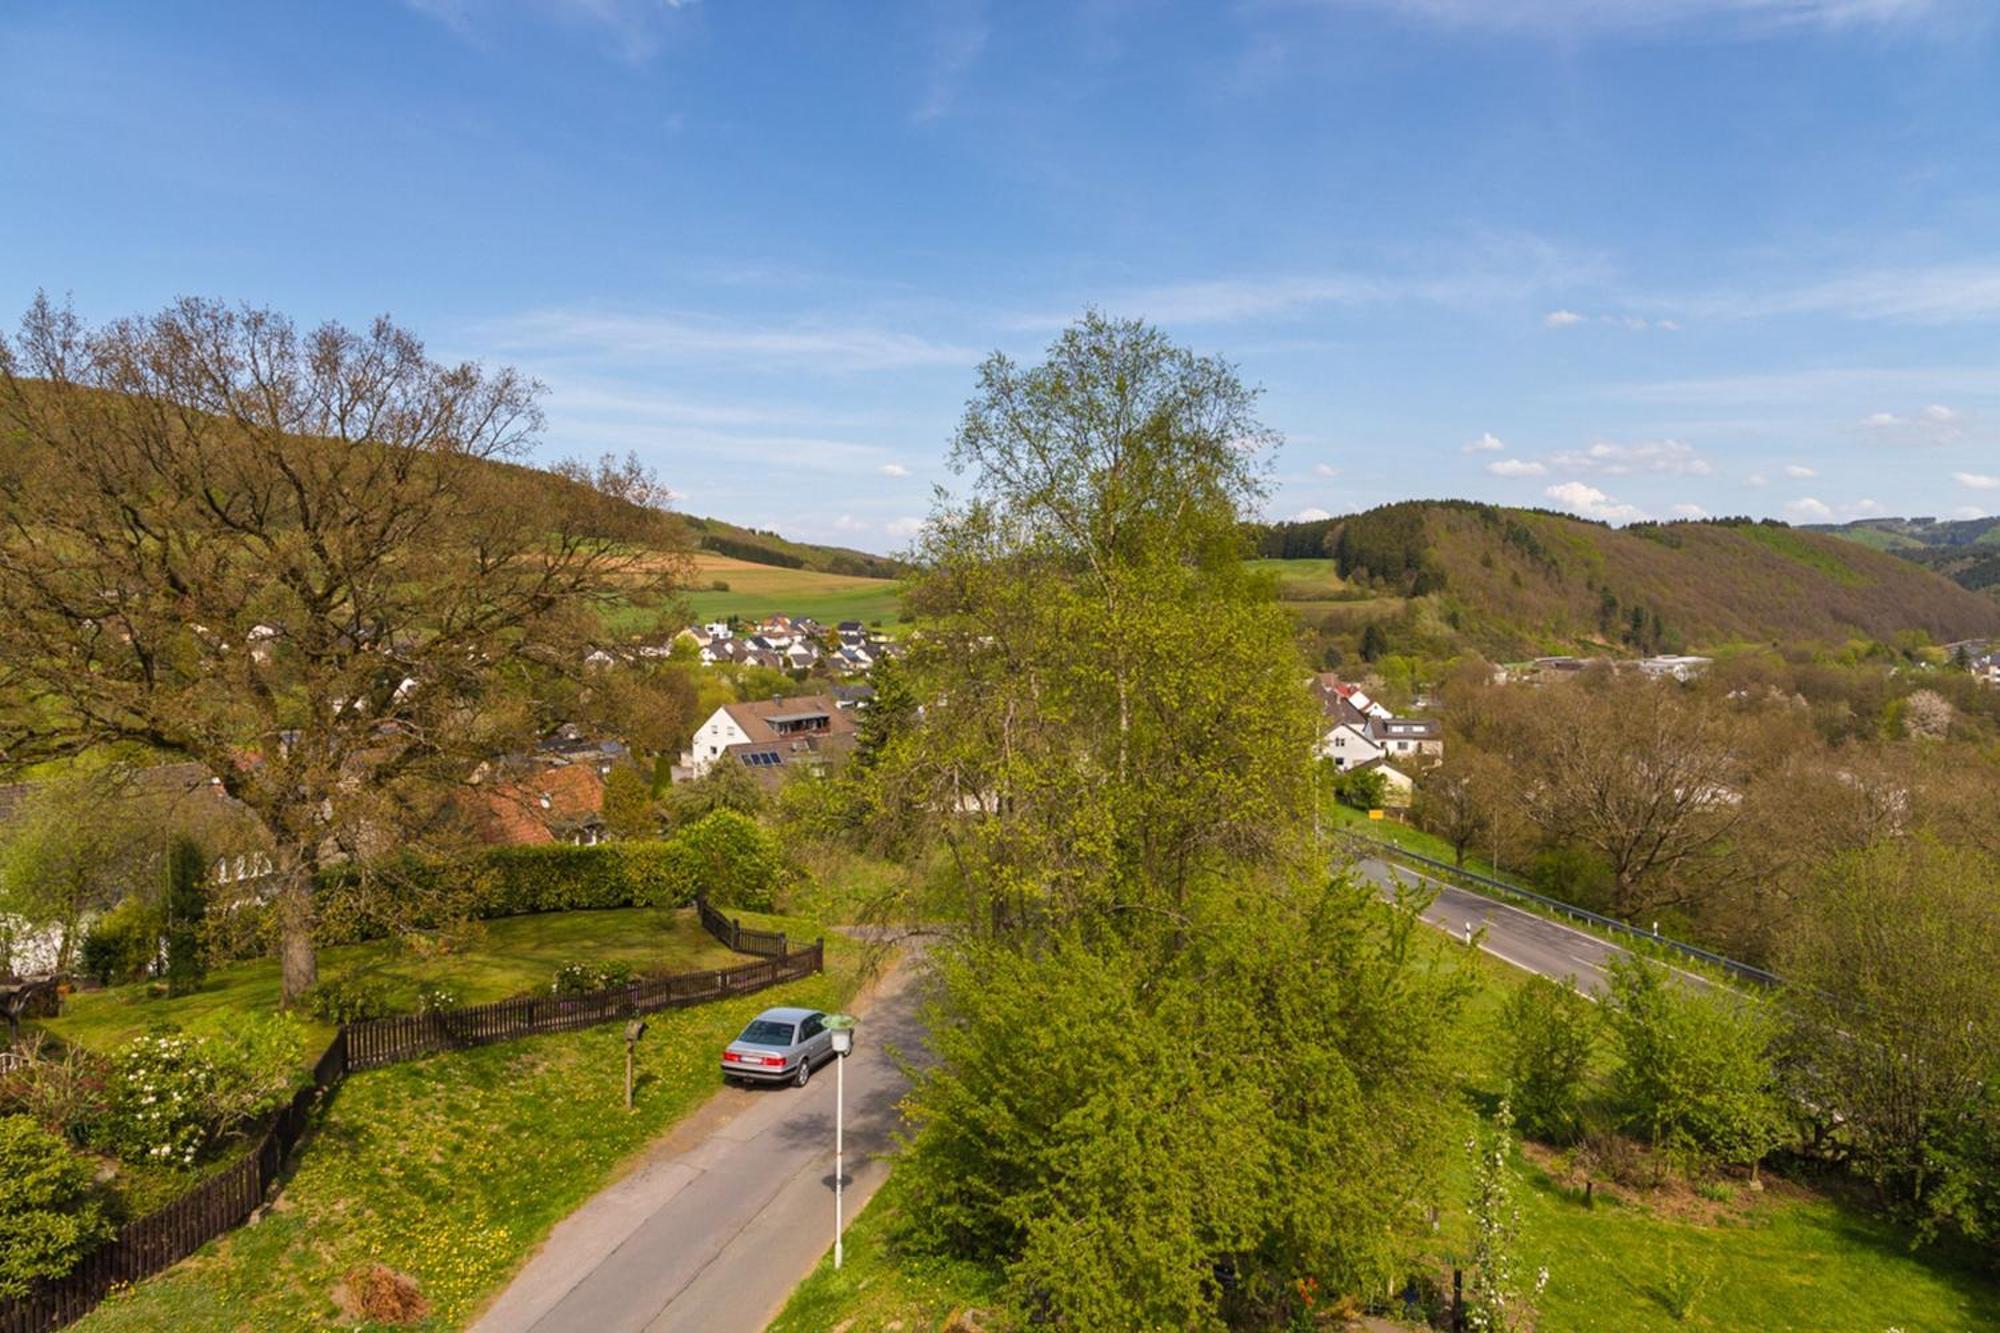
[
  {"x": 772, "y": 738},
  {"x": 564, "y": 803}
]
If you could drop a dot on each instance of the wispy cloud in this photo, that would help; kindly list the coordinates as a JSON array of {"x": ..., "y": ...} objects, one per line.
[
  {"x": 636, "y": 29},
  {"x": 1311, "y": 514},
  {"x": 1563, "y": 319},
  {"x": 1800, "y": 472},
  {"x": 1324, "y": 470},
  {"x": 1576, "y": 17},
  {"x": 956, "y": 45},
  {"x": 894, "y": 470},
  {"x": 1590, "y": 502},
  {"x": 608, "y": 337},
  {"x": 1933, "y": 424},
  {"x": 1616, "y": 459},
  {"x": 1689, "y": 511},
  {"x": 1487, "y": 443},
  {"x": 1516, "y": 467},
  {"x": 1976, "y": 481}
]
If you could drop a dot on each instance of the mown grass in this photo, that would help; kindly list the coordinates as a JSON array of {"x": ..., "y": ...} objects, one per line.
[
  {"x": 501, "y": 958},
  {"x": 451, "y": 1169},
  {"x": 1788, "y": 1257}
]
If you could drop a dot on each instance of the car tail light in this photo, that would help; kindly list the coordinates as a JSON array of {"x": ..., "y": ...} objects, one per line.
[
  {"x": 731, "y": 1055},
  {"x": 773, "y": 1061}
]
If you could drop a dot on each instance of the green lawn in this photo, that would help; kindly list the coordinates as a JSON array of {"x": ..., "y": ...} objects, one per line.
[
  {"x": 502, "y": 958},
  {"x": 451, "y": 1169},
  {"x": 1784, "y": 1258}
]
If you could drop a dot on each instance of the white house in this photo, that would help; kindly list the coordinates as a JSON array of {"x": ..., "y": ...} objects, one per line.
[
  {"x": 1674, "y": 666},
  {"x": 770, "y": 734},
  {"x": 1363, "y": 733}
]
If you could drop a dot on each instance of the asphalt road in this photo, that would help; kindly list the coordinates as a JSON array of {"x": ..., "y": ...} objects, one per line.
[
  {"x": 1520, "y": 937},
  {"x": 731, "y": 1210}
]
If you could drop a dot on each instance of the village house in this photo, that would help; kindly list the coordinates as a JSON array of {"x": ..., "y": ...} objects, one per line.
[
  {"x": 771, "y": 738},
  {"x": 1362, "y": 731},
  {"x": 562, "y": 803}
]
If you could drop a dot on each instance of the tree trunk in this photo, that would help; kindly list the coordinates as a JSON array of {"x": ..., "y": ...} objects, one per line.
[{"x": 298, "y": 962}]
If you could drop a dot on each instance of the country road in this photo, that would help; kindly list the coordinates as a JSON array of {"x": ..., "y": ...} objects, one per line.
[
  {"x": 734, "y": 1207},
  {"x": 731, "y": 1210},
  {"x": 1513, "y": 934}
]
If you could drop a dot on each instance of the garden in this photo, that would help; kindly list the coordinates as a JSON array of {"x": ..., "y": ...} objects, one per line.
[{"x": 143, "y": 1088}]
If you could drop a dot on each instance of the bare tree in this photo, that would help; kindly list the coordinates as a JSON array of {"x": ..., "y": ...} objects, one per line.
[
  {"x": 295, "y": 558},
  {"x": 1640, "y": 772}
]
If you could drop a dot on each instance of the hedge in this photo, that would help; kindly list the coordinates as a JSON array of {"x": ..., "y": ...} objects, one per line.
[{"x": 555, "y": 877}]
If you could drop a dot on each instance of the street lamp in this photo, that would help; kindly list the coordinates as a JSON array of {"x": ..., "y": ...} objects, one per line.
[{"x": 841, "y": 1027}]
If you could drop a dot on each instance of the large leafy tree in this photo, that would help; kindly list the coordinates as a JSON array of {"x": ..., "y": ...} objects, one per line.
[
  {"x": 295, "y": 557},
  {"x": 1178, "y": 1068}
]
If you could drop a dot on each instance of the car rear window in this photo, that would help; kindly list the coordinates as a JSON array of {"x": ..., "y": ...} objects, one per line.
[{"x": 764, "y": 1032}]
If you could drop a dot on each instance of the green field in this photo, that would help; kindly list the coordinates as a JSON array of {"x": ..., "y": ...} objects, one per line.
[
  {"x": 1787, "y": 1257},
  {"x": 756, "y": 591},
  {"x": 496, "y": 959},
  {"x": 452, "y": 1169}
]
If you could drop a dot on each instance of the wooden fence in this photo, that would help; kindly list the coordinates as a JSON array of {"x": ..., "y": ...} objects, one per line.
[
  {"x": 225, "y": 1200},
  {"x": 765, "y": 943},
  {"x": 387, "y": 1041}
]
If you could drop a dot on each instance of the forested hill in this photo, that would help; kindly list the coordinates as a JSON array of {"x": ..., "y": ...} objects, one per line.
[
  {"x": 1515, "y": 581},
  {"x": 1967, "y": 551}
]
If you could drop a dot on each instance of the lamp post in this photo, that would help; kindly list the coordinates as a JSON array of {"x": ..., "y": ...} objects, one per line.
[{"x": 841, "y": 1026}]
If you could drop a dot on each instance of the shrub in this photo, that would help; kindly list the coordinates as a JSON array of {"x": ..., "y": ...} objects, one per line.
[
  {"x": 170, "y": 1097},
  {"x": 60, "y": 1089},
  {"x": 438, "y": 1000},
  {"x": 351, "y": 999},
  {"x": 50, "y": 1217},
  {"x": 585, "y": 978},
  {"x": 123, "y": 944},
  {"x": 733, "y": 861},
  {"x": 1695, "y": 1074},
  {"x": 1551, "y": 1031},
  {"x": 186, "y": 904}
]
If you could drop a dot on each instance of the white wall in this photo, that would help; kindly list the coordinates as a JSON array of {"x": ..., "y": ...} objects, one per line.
[{"x": 710, "y": 740}]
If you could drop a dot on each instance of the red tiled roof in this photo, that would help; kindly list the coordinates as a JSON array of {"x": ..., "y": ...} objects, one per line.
[{"x": 536, "y": 808}]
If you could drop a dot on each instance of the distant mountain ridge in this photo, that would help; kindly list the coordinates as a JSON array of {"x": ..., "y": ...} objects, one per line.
[
  {"x": 1966, "y": 551},
  {"x": 1448, "y": 574}
]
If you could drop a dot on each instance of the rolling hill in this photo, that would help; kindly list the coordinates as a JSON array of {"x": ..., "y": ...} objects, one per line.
[
  {"x": 1515, "y": 582},
  {"x": 1966, "y": 551}
]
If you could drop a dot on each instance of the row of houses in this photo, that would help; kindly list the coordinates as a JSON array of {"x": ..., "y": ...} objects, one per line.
[
  {"x": 796, "y": 644},
  {"x": 1362, "y": 734}
]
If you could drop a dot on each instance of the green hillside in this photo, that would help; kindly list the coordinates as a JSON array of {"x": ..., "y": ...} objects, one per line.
[
  {"x": 1514, "y": 582},
  {"x": 1966, "y": 551}
]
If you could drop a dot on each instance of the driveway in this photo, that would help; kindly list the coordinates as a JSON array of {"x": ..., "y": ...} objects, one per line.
[{"x": 732, "y": 1209}]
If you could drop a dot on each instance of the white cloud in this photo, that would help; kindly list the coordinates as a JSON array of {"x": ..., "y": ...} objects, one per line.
[
  {"x": 1325, "y": 470},
  {"x": 1667, "y": 325},
  {"x": 1487, "y": 443},
  {"x": 1615, "y": 459},
  {"x": 1689, "y": 511},
  {"x": 1516, "y": 467},
  {"x": 1311, "y": 515},
  {"x": 1864, "y": 509},
  {"x": 611, "y": 337},
  {"x": 849, "y": 523},
  {"x": 1757, "y": 479},
  {"x": 1968, "y": 511},
  {"x": 1800, "y": 472},
  {"x": 1562, "y": 319},
  {"x": 894, "y": 470},
  {"x": 635, "y": 27},
  {"x": 956, "y": 45},
  {"x": 902, "y": 529},
  {"x": 1977, "y": 481},
  {"x": 1809, "y": 509},
  {"x": 1592, "y": 503},
  {"x": 1933, "y": 424},
  {"x": 1936, "y": 294}
]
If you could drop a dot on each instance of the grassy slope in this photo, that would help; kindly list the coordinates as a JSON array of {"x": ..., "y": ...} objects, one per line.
[
  {"x": 508, "y": 957},
  {"x": 761, "y": 590},
  {"x": 1785, "y": 1258},
  {"x": 452, "y": 1169}
]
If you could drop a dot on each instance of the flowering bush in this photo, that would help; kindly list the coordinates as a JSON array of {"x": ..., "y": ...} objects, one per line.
[
  {"x": 170, "y": 1097},
  {"x": 438, "y": 1000},
  {"x": 582, "y": 978}
]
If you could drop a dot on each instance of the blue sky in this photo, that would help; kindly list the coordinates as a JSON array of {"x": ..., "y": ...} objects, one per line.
[{"x": 1625, "y": 257}]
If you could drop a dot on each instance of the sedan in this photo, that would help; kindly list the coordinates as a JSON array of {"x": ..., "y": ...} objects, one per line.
[{"x": 779, "y": 1046}]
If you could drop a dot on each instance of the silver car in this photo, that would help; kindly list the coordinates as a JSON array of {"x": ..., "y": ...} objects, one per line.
[{"x": 779, "y": 1046}]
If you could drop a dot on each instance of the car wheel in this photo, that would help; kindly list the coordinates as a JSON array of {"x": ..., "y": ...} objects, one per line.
[{"x": 805, "y": 1072}]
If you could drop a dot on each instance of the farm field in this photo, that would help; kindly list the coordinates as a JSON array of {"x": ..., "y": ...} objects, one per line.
[{"x": 761, "y": 590}]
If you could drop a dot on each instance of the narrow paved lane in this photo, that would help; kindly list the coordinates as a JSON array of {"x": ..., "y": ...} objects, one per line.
[
  {"x": 1512, "y": 933},
  {"x": 732, "y": 1210}
]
